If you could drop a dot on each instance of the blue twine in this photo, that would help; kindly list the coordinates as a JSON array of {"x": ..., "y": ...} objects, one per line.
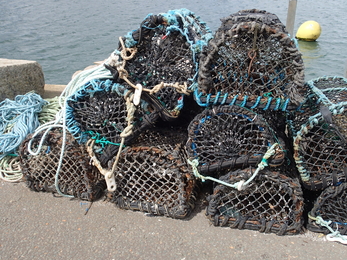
[
  {"x": 21, "y": 117},
  {"x": 256, "y": 102},
  {"x": 244, "y": 101},
  {"x": 268, "y": 104}
]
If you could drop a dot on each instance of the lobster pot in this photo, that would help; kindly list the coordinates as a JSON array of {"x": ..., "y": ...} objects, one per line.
[
  {"x": 271, "y": 203},
  {"x": 230, "y": 137},
  {"x": 330, "y": 206},
  {"x": 99, "y": 110},
  {"x": 163, "y": 56},
  {"x": 155, "y": 179},
  {"x": 322, "y": 91},
  {"x": 252, "y": 62},
  {"x": 319, "y": 140},
  {"x": 77, "y": 177}
]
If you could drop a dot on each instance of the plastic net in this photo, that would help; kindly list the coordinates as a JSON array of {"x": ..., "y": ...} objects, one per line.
[
  {"x": 330, "y": 206},
  {"x": 153, "y": 176},
  {"x": 76, "y": 177},
  {"x": 228, "y": 137},
  {"x": 161, "y": 57},
  {"x": 272, "y": 203},
  {"x": 252, "y": 62},
  {"x": 319, "y": 134}
]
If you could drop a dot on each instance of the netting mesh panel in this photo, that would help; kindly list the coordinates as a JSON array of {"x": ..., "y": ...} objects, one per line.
[
  {"x": 155, "y": 179},
  {"x": 330, "y": 82},
  {"x": 251, "y": 15},
  {"x": 319, "y": 138},
  {"x": 76, "y": 177},
  {"x": 323, "y": 156},
  {"x": 254, "y": 61},
  {"x": 331, "y": 206},
  {"x": 167, "y": 47},
  {"x": 100, "y": 109},
  {"x": 229, "y": 136},
  {"x": 273, "y": 203}
]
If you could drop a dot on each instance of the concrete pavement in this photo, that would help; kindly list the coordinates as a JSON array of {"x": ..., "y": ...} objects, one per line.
[{"x": 40, "y": 226}]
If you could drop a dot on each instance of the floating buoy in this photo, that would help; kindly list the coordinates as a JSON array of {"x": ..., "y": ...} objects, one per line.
[{"x": 309, "y": 31}]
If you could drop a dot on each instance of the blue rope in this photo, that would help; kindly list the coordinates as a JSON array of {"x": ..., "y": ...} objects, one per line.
[
  {"x": 19, "y": 117},
  {"x": 256, "y": 102}
]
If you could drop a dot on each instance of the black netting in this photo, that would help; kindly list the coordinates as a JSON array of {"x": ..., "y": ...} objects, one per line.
[
  {"x": 252, "y": 62},
  {"x": 252, "y": 15},
  {"x": 165, "y": 50},
  {"x": 330, "y": 206},
  {"x": 228, "y": 137},
  {"x": 319, "y": 133},
  {"x": 153, "y": 176},
  {"x": 272, "y": 203},
  {"x": 77, "y": 177},
  {"x": 100, "y": 110}
]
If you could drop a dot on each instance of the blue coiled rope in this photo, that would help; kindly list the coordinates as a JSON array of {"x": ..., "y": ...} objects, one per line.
[{"x": 19, "y": 117}]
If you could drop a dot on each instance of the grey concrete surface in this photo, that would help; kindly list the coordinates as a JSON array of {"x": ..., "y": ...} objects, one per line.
[
  {"x": 18, "y": 77},
  {"x": 40, "y": 226}
]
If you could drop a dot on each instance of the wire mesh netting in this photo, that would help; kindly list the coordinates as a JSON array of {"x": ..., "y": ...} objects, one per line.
[
  {"x": 162, "y": 56},
  {"x": 319, "y": 134},
  {"x": 330, "y": 206},
  {"x": 154, "y": 177},
  {"x": 272, "y": 203},
  {"x": 253, "y": 62},
  {"x": 77, "y": 177},
  {"x": 228, "y": 137}
]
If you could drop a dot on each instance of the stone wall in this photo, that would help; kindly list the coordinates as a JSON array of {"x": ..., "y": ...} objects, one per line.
[{"x": 18, "y": 77}]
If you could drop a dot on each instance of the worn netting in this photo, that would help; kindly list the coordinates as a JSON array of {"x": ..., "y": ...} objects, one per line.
[
  {"x": 271, "y": 203},
  {"x": 101, "y": 110},
  {"x": 228, "y": 137},
  {"x": 252, "y": 62},
  {"x": 161, "y": 58},
  {"x": 319, "y": 134},
  {"x": 76, "y": 178},
  {"x": 153, "y": 176},
  {"x": 329, "y": 211}
]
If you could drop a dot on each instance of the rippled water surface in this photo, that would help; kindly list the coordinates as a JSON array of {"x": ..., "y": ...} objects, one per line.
[{"x": 68, "y": 35}]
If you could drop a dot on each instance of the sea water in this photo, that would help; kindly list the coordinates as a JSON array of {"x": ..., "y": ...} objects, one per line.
[{"x": 68, "y": 35}]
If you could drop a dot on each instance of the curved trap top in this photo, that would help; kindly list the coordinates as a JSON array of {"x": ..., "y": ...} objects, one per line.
[
  {"x": 251, "y": 62},
  {"x": 161, "y": 57},
  {"x": 102, "y": 110},
  {"x": 227, "y": 137}
]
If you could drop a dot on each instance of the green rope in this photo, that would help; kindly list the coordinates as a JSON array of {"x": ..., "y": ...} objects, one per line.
[
  {"x": 101, "y": 140},
  {"x": 241, "y": 184},
  {"x": 335, "y": 235},
  {"x": 10, "y": 170}
]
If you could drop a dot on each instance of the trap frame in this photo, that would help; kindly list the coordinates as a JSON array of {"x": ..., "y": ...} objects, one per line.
[
  {"x": 271, "y": 203},
  {"x": 251, "y": 62},
  {"x": 76, "y": 178}
]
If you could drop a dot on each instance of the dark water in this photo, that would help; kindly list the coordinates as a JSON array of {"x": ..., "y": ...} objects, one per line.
[{"x": 68, "y": 35}]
